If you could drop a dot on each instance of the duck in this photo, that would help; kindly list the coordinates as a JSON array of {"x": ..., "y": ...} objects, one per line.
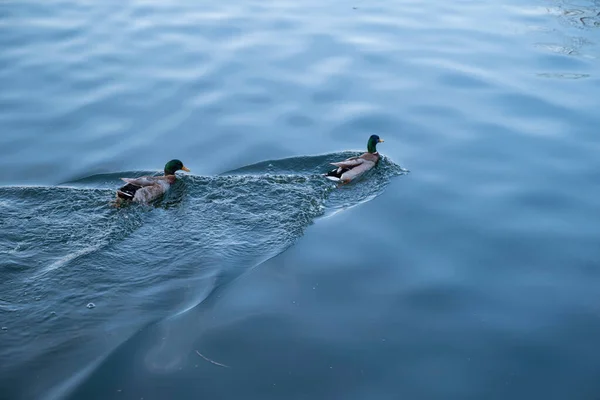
[
  {"x": 353, "y": 167},
  {"x": 145, "y": 189}
]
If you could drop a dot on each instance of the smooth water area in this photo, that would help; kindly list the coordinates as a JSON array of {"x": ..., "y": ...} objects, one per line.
[{"x": 464, "y": 266}]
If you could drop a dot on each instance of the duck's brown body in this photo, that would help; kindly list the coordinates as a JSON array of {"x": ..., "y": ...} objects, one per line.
[
  {"x": 145, "y": 189},
  {"x": 353, "y": 167}
]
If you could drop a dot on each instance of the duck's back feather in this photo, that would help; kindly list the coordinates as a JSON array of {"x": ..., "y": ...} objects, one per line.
[
  {"x": 145, "y": 189},
  {"x": 349, "y": 163},
  {"x": 352, "y": 167},
  {"x": 356, "y": 171},
  {"x": 151, "y": 192}
]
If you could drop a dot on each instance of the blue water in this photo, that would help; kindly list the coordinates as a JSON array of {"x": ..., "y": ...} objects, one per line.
[{"x": 465, "y": 266}]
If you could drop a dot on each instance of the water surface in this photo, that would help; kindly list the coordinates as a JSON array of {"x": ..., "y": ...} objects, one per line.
[{"x": 473, "y": 276}]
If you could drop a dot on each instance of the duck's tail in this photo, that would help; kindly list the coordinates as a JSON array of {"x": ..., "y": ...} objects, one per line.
[
  {"x": 336, "y": 174},
  {"x": 127, "y": 192}
]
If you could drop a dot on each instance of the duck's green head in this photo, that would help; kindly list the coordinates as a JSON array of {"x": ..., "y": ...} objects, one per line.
[
  {"x": 372, "y": 143},
  {"x": 173, "y": 166}
]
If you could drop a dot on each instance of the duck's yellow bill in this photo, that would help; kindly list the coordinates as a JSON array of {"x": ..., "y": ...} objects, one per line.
[
  {"x": 185, "y": 169},
  {"x": 381, "y": 140}
]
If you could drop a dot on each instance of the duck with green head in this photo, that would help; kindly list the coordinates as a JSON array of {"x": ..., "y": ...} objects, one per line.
[
  {"x": 353, "y": 167},
  {"x": 148, "y": 188}
]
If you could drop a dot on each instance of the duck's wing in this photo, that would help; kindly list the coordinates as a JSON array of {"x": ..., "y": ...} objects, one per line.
[
  {"x": 357, "y": 170},
  {"x": 142, "y": 181},
  {"x": 151, "y": 192},
  {"x": 349, "y": 163}
]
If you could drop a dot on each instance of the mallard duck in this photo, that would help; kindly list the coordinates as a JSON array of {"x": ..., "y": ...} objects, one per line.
[
  {"x": 352, "y": 167},
  {"x": 147, "y": 188}
]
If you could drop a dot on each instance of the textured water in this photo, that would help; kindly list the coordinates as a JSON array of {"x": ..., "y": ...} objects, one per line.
[{"x": 475, "y": 275}]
